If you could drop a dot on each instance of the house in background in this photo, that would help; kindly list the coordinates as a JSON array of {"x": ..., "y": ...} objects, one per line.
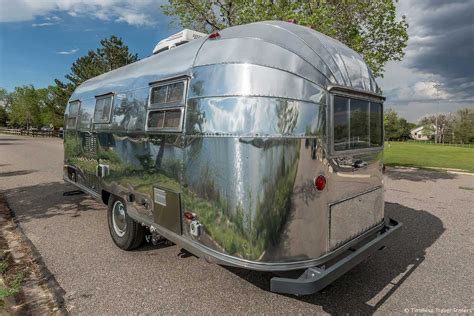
[{"x": 423, "y": 132}]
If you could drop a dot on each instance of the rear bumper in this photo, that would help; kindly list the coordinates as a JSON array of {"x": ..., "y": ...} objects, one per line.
[{"x": 316, "y": 278}]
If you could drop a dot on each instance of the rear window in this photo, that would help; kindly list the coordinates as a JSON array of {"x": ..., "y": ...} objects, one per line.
[{"x": 357, "y": 124}]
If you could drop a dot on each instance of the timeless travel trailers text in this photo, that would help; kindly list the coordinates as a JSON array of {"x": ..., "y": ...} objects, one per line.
[{"x": 259, "y": 146}]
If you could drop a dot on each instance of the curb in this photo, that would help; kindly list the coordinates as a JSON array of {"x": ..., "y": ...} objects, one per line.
[
  {"x": 432, "y": 169},
  {"x": 40, "y": 293}
]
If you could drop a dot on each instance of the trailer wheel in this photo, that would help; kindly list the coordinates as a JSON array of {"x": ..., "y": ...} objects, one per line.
[{"x": 126, "y": 233}]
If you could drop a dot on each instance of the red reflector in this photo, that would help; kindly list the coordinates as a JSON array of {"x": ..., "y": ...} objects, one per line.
[
  {"x": 214, "y": 35},
  {"x": 320, "y": 183},
  {"x": 189, "y": 215},
  {"x": 292, "y": 21}
]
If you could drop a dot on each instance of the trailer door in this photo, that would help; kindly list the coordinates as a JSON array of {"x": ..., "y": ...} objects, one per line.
[
  {"x": 92, "y": 139},
  {"x": 87, "y": 161}
]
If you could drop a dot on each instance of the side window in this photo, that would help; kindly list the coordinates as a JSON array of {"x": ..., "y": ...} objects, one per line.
[
  {"x": 73, "y": 114},
  {"x": 170, "y": 97},
  {"x": 165, "y": 120},
  {"x": 168, "y": 94},
  {"x": 103, "y": 108}
]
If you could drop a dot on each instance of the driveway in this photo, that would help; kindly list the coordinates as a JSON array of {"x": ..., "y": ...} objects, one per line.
[{"x": 428, "y": 266}]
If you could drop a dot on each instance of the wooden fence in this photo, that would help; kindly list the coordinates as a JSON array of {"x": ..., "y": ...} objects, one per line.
[{"x": 11, "y": 131}]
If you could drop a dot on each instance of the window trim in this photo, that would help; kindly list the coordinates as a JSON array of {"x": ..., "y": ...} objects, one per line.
[
  {"x": 167, "y": 83},
  {"x": 76, "y": 117},
  {"x": 370, "y": 100},
  {"x": 100, "y": 97},
  {"x": 165, "y": 129}
]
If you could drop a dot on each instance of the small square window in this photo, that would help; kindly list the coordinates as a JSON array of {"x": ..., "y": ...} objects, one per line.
[
  {"x": 172, "y": 119},
  {"x": 155, "y": 119},
  {"x": 169, "y": 120},
  {"x": 158, "y": 95},
  {"x": 175, "y": 92},
  {"x": 172, "y": 93}
]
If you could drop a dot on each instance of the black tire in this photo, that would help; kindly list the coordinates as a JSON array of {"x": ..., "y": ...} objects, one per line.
[{"x": 127, "y": 234}]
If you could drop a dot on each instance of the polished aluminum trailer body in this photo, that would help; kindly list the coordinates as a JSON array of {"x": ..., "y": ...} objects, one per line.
[{"x": 251, "y": 125}]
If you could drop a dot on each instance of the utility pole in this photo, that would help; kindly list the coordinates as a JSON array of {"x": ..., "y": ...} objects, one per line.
[{"x": 436, "y": 85}]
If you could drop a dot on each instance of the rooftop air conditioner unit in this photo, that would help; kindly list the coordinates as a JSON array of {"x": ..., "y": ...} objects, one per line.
[{"x": 177, "y": 39}]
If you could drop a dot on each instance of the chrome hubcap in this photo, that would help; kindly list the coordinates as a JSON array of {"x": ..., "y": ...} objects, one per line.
[{"x": 118, "y": 219}]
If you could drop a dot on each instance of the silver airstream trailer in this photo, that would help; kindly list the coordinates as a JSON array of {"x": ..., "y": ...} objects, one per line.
[{"x": 259, "y": 146}]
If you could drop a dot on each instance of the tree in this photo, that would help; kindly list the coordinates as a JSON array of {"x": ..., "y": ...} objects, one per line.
[
  {"x": 443, "y": 129},
  {"x": 428, "y": 130},
  {"x": 396, "y": 127},
  {"x": 368, "y": 27},
  {"x": 390, "y": 121},
  {"x": 3, "y": 116},
  {"x": 4, "y": 106},
  {"x": 463, "y": 126},
  {"x": 404, "y": 128},
  {"x": 112, "y": 54},
  {"x": 27, "y": 104}
]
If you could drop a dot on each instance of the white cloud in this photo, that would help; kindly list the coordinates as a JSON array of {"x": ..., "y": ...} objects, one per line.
[
  {"x": 43, "y": 24},
  {"x": 67, "y": 52},
  {"x": 133, "y": 12},
  {"x": 138, "y": 19},
  {"x": 53, "y": 18},
  {"x": 430, "y": 90}
]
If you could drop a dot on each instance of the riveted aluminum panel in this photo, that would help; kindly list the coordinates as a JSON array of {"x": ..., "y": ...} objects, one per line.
[
  {"x": 277, "y": 33},
  {"x": 351, "y": 217},
  {"x": 254, "y": 116},
  {"x": 248, "y": 51},
  {"x": 348, "y": 66},
  {"x": 251, "y": 80}
]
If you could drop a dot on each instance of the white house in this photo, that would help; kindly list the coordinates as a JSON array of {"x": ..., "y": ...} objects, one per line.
[{"x": 420, "y": 133}]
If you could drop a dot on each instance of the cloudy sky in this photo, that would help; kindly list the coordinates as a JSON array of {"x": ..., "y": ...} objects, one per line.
[
  {"x": 440, "y": 50},
  {"x": 39, "y": 39}
]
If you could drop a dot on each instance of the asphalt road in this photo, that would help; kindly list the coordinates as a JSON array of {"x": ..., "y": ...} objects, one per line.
[{"x": 426, "y": 267}]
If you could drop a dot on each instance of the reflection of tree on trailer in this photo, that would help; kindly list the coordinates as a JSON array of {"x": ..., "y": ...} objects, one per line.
[{"x": 259, "y": 147}]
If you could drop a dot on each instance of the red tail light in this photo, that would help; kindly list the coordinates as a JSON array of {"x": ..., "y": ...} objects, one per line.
[
  {"x": 189, "y": 216},
  {"x": 214, "y": 35},
  {"x": 320, "y": 183}
]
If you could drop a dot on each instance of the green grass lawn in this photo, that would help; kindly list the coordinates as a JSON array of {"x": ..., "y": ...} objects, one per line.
[{"x": 411, "y": 154}]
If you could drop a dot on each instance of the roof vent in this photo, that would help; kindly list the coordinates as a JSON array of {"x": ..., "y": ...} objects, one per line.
[{"x": 177, "y": 39}]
